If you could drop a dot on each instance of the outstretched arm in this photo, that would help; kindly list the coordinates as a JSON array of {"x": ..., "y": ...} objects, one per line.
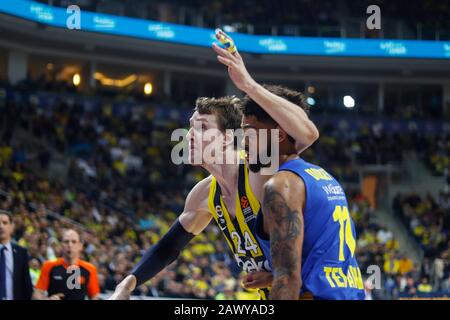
[
  {"x": 163, "y": 253},
  {"x": 289, "y": 116},
  {"x": 190, "y": 223},
  {"x": 284, "y": 196}
]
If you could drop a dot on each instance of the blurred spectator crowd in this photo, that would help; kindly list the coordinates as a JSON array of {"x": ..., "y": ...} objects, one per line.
[
  {"x": 428, "y": 221},
  {"x": 112, "y": 241},
  {"x": 121, "y": 191}
]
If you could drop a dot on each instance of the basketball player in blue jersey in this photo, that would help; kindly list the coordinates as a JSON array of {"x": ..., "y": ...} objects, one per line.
[
  {"x": 231, "y": 194},
  {"x": 305, "y": 228}
]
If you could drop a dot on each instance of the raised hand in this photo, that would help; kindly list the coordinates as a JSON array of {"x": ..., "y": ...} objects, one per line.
[{"x": 236, "y": 67}]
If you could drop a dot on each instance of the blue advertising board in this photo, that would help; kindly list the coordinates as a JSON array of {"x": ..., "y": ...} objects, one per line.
[{"x": 160, "y": 31}]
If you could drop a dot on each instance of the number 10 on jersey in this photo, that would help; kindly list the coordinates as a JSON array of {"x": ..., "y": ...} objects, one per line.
[{"x": 342, "y": 215}]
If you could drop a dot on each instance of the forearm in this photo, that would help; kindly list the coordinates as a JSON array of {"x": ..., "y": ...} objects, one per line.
[
  {"x": 162, "y": 253},
  {"x": 282, "y": 207},
  {"x": 284, "y": 249},
  {"x": 286, "y": 283},
  {"x": 291, "y": 118},
  {"x": 285, "y": 287}
]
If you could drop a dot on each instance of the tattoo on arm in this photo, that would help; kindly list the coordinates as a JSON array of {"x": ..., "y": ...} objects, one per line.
[{"x": 286, "y": 237}]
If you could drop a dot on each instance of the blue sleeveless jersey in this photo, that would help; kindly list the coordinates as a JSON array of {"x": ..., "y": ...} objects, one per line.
[{"x": 329, "y": 266}]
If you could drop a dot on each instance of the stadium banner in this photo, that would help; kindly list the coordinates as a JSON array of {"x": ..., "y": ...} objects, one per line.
[{"x": 195, "y": 36}]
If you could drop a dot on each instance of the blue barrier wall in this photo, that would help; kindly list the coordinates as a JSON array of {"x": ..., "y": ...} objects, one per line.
[{"x": 154, "y": 30}]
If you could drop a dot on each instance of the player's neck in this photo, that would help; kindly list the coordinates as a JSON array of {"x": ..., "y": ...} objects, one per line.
[
  {"x": 226, "y": 173},
  {"x": 287, "y": 157},
  {"x": 226, "y": 176},
  {"x": 287, "y": 152}
]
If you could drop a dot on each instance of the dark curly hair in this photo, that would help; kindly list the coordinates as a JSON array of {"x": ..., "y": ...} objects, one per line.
[{"x": 251, "y": 108}]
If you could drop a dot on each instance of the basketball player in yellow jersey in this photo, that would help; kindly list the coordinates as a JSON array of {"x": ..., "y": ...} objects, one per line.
[{"x": 231, "y": 194}]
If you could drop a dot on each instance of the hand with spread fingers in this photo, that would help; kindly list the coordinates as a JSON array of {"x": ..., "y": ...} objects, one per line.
[{"x": 236, "y": 67}]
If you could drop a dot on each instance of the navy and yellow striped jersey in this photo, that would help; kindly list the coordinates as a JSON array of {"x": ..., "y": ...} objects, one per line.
[
  {"x": 240, "y": 231},
  {"x": 329, "y": 267}
]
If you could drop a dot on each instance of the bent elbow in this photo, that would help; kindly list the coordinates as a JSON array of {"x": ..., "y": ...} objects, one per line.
[
  {"x": 307, "y": 140},
  {"x": 313, "y": 133}
]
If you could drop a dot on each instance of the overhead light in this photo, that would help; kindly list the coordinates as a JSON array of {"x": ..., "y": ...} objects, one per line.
[
  {"x": 76, "y": 79},
  {"x": 228, "y": 28},
  {"x": 106, "y": 81},
  {"x": 148, "y": 88},
  {"x": 349, "y": 102},
  {"x": 311, "y": 101}
]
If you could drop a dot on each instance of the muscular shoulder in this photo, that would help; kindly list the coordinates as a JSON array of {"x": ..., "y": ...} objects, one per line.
[
  {"x": 196, "y": 215},
  {"x": 287, "y": 184},
  {"x": 198, "y": 196}
]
